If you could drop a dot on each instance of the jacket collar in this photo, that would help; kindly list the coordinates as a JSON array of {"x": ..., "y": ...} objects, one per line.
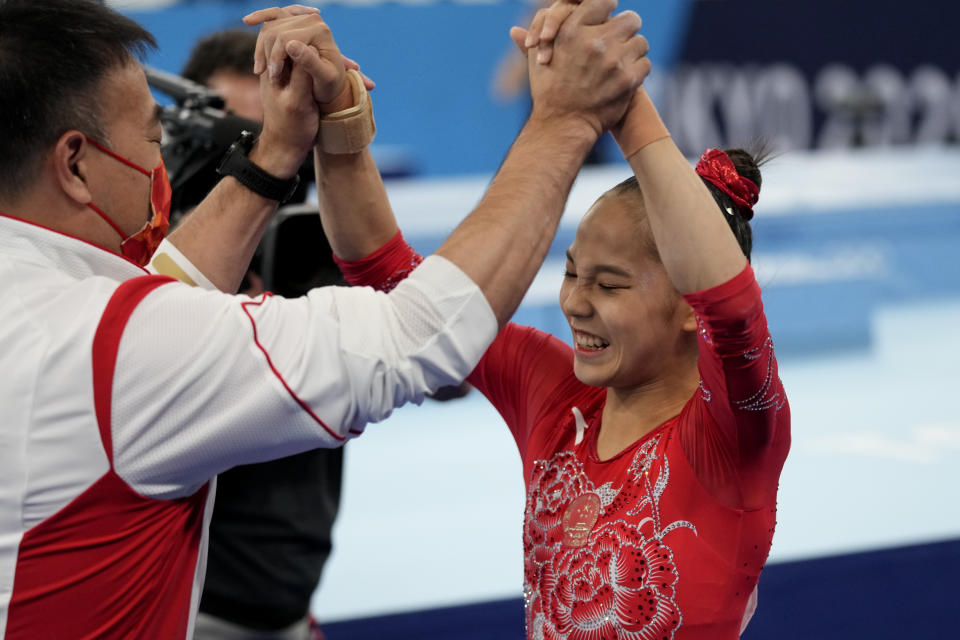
[{"x": 29, "y": 242}]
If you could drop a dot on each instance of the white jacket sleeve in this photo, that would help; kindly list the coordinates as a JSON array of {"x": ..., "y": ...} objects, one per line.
[{"x": 206, "y": 381}]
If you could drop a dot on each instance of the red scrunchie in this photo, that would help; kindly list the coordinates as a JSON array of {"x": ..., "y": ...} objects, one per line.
[{"x": 717, "y": 168}]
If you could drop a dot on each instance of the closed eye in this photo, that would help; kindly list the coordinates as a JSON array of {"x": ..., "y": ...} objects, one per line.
[{"x": 610, "y": 287}]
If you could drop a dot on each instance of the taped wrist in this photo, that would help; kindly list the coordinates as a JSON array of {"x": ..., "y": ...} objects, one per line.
[{"x": 350, "y": 130}]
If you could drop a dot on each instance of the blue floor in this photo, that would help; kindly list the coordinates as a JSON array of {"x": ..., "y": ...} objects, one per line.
[{"x": 905, "y": 592}]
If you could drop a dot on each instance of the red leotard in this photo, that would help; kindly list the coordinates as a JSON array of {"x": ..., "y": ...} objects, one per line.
[{"x": 667, "y": 538}]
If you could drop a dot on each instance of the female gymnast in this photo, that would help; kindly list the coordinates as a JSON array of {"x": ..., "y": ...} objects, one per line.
[{"x": 652, "y": 449}]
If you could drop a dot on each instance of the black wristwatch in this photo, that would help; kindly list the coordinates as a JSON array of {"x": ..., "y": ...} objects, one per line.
[{"x": 238, "y": 164}]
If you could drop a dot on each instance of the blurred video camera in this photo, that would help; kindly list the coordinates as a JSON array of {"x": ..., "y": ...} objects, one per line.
[{"x": 293, "y": 256}]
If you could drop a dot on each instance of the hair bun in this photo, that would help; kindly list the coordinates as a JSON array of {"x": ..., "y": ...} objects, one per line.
[
  {"x": 718, "y": 169},
  {"x": 747, "y": 166},
  {"x": 733, "y": 179}
]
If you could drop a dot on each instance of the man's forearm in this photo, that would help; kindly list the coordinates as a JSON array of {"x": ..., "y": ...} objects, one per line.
[
  {"x": 222, "y": 233},
  {"x": 503, "y": 242}
]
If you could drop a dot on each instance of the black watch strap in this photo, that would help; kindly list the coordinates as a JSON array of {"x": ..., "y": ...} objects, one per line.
[{"x": 237, "y": 163}]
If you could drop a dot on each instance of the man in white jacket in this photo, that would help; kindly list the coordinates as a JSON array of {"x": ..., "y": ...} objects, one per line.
[{"x": 126, "y": 392}]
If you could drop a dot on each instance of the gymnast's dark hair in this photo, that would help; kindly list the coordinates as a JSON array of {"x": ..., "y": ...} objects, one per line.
[
  {"x": 748, "y": 166},
  {"x": 53, "y": 56}
]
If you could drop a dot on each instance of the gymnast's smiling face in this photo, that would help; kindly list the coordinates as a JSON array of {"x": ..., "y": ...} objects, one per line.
[{"x": 629, "y": 325}]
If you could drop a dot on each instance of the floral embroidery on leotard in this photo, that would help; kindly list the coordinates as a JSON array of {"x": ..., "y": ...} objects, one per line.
[{"x": 622, "y": 583}]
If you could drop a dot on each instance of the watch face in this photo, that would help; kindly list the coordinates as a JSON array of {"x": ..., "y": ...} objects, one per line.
[{"x": 246, "y": 140}]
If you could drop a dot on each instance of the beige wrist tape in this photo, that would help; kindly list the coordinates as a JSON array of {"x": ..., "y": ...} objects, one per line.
[
  {"x": 352, "y": 129},
  {"x": 641, "y": 126}
]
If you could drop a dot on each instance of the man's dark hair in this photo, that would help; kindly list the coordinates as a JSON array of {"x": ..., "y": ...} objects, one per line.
[
  {"x": 228, "y": 50},
  {"x": 54, "y": 55}
]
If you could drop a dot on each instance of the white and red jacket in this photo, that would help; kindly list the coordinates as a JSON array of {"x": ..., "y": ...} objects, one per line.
[{"x": 124, "y": 394}]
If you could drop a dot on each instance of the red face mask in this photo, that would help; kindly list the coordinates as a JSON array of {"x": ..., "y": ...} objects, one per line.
[{"x": 140, "y": 246}]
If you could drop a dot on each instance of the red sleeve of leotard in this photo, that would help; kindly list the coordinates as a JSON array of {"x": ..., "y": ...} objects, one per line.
[
  {"x": 384, "y": 268},
  {"x": 737, "y": 431},
  {"x": 525, "y": 374},
  {"x": 521, "y": 372}
]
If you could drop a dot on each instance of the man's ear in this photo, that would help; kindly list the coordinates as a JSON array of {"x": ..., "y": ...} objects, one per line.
[{"x": 71, "y": 161}]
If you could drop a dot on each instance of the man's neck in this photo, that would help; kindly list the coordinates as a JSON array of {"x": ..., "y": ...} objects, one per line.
[{"x": 46, "y": 210}]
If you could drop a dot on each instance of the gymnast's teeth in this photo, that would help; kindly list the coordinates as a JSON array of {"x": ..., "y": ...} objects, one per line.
[{"x": 589, "y": 341}]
